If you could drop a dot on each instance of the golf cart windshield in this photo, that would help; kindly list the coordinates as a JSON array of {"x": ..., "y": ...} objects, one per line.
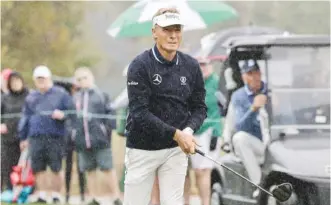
[{"x": 299, "y": 80}]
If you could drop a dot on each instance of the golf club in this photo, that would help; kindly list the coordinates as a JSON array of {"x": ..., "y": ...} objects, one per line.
[{"x": 280, "y": 192}]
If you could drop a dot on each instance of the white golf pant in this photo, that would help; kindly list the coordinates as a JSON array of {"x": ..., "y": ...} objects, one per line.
[
  {"x": 170, "y": 165},
  {"x": 251, "y": 151}
]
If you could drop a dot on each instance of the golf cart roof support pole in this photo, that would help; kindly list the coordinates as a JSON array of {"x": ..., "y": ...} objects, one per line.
[{"x": 266, "y": 62}]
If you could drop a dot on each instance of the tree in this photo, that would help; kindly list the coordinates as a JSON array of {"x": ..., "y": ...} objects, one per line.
[{"x": 35, "y": 33}]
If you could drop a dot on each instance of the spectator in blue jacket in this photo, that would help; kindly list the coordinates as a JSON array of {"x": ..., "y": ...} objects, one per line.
[
  {"x": 246, "y": 102},
  {"x": 42, "y": 128}
]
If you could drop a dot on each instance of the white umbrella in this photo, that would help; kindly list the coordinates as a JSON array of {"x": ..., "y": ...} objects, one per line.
[{"x": 137, "y": 19}]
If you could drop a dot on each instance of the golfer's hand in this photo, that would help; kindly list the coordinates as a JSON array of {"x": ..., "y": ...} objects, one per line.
[
  {"x": 185, "y": 141},
  {"x": 259, "y": 101}
]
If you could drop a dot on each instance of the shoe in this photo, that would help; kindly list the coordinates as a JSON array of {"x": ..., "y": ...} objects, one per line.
[
  {"x": 118, "y": 202},
  {"x": 82, "y": 198},
  {"x": 56, "y": 200},
  {"x": 94, "y": 202},
  {"x": 67, "y": 198},
  {"x": 40, "y": 201}
]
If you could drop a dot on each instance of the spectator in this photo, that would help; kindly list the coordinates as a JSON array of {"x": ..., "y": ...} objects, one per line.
[
  {"x": 92, "y": 135},
  {"x": 69, "y": 145},
  {"x": 246, "y": 102},
  {"x": 11, "y": 103},
  {"x": 42, "y": 128},
  {"x": 208, "y": 134},
  {"x": 4, "y": 80}
]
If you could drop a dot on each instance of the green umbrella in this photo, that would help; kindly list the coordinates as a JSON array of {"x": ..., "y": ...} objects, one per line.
[{"x": 137, "y": 20}]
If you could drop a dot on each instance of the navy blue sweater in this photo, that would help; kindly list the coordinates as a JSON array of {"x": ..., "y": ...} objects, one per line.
[
  {"x": 34, "y": 124},
  {"x": 163, "y": 96}
]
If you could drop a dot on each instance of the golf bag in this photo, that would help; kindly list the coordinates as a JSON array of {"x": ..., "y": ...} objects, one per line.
[{"x": 22, "y": 179}]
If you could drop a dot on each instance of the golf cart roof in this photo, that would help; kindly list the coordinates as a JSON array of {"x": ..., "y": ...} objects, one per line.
[
  {"x": 211, "y": 42},
  {"x": 278, "y": 40}
]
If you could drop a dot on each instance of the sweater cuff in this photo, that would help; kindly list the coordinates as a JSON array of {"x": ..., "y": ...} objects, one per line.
[
  {"x": 171, "y": 131},
  {"x": 188, "y": 130}
]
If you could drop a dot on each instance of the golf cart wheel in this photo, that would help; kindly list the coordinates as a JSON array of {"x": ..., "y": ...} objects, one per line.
[
  {"x": 295, "y": 198},
  {"x": 216, "y": 194}
]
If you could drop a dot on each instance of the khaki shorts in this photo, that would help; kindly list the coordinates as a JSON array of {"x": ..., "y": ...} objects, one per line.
[
  {"x": 200, "y": 162},
  {"x": 90, "y": 160}
]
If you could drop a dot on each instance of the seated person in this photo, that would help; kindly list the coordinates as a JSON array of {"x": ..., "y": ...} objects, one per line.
[
  {"x": 229, "y": 129},
  {"x": 246, "y": 102}
]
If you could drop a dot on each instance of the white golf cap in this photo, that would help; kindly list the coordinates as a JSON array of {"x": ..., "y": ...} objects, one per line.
[
  {"x": 41, "y": 71},
  {"x": 168, "y": 19}
]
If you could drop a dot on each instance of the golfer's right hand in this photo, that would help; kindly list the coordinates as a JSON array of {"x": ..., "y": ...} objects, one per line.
[{"x": 185, "y": 141}]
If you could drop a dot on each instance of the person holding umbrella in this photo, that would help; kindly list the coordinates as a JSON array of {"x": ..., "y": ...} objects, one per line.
[
  {"x": 166, "y": 105},
  {"x": 69, "y": 85}
]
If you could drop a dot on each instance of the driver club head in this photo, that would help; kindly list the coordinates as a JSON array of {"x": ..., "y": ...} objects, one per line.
[{"x": 282, "y": 192}]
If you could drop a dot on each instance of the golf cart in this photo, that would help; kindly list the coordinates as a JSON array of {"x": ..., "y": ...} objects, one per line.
[
  {"x": 211, "y": 48},
  {"x": 296, "y": 69}
]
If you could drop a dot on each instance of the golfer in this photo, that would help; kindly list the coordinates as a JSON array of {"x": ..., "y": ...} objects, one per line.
[{"x": 166, "y": 105}]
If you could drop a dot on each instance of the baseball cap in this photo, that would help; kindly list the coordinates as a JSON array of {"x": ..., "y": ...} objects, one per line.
[
  {"x": 42, "y": 71},
  {"x": 168, "y": 19},
  {"x": 248, "y": 66}
]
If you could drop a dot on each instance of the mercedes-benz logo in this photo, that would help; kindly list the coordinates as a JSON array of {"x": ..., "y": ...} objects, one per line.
[{"x": 157, "y": 79}]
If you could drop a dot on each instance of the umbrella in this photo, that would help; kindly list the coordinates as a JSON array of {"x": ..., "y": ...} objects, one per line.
[
  {"x": 137, "y": 20},
  {"x": 66, "y": 82}
]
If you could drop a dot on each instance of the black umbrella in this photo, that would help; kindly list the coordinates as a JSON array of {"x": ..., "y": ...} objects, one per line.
[
  {"x": 68, "y": 83},
  {"x": 65, "y": 82}
]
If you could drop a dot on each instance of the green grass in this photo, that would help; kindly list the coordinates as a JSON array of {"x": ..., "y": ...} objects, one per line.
[{"x": 2, "y": 203}]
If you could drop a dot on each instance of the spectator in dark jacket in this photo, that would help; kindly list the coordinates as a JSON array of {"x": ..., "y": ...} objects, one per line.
[
  {"x": 42, "y": 128},
  {"x": 69, "y": 145},
  {"x": 11, "y": 103},
  {"x": 92, "y": 134}
]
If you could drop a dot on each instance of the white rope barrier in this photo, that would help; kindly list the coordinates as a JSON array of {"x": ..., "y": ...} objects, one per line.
[{"x": 80, "y": 114}]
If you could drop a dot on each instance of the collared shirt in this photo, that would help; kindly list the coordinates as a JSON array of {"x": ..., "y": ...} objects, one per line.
[
  {"x": 157, "y": 55},
  {"x": 245, "y": 118},
  {"x": 163, "y": 96}
]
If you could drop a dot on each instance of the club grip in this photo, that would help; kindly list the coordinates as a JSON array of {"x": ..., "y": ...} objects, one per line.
[{"x": 199, "y": 152}]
